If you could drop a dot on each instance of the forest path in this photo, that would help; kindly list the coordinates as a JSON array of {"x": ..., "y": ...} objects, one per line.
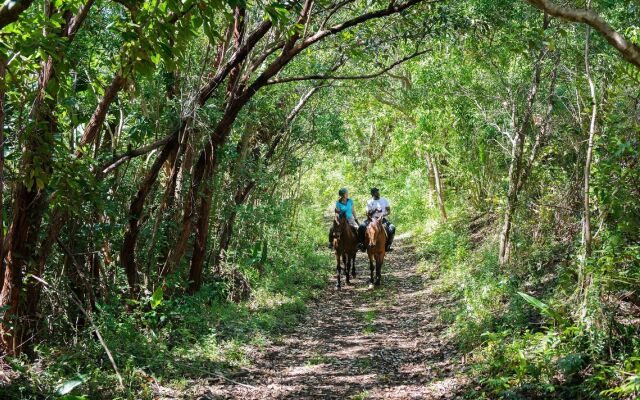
[{"x": 357, "y": 343}]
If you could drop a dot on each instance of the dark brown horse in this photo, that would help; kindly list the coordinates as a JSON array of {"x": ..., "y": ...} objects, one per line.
[
  {"x": 376, "y": 241},
  {"x": 345, "y": 243}
]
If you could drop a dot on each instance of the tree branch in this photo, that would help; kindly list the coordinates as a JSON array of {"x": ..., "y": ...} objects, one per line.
[
  {"x": 348, "y": 77},
  {"x": 11, "y": 10},
  {"x": 119, "y": 159},
  {"x": 235, "y": 60},
  {"x": 627, "y": 49}
]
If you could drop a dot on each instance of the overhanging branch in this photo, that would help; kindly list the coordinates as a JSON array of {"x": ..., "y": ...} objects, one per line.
[
  {"x": 627, "y": 49},
  {"x": 11, "y": 10},
  {"x": 348, "y": 77},
  {"x": 128, "y": 155}
]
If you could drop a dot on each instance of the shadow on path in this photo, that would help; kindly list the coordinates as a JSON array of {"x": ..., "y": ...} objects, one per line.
[{"x": 358, "y": 343}]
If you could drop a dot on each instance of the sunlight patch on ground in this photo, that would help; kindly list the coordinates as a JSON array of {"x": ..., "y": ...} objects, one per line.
[{"x": 263, "y": 300}]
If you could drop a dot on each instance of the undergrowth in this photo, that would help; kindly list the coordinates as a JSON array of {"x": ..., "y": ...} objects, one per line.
[
  {"x": 172, "y": 340},
  {"x": 527, "y": 330}
]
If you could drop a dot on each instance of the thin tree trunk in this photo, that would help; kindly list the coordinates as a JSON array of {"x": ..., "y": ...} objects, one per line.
[
  {"x": 517, "y": 151},
  {"x": 438, "y": 187},
  {"x": 199, "y": 245},
  {"x": 432, "y": 181},
  {"x": 99, "y": 114},
  {"x": 2, "y": 92},
  {"x": 584, "y": 279},
  {"x": 128, "y": 251},
  {"x": 169, "y": 196},
  {"x": 542, "y": 133},
  {"x": 586, "y": 221},
  {"x": 202, "y": 225},
  {"x": 242, "y": 192},
  {"x": 28, "y": 208},
  {"x": 440, "y": 190}
]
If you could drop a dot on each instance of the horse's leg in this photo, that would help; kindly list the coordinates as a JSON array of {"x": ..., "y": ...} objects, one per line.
[
  {"x": 378, "y": 270},
  {"x": 371, "y": 269},
  {"x": 353, "y": 264},
  {"x": 345, "y": 260},
  {"x": 338, "y": 271}
]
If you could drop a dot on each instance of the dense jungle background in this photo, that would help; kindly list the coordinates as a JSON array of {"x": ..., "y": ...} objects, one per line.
[{"x": 169, "y": 168}]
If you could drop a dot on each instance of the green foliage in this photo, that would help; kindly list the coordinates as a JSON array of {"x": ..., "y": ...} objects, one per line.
[
  {"x": 551, "y": 323},
  {"x": 184, "y": 337}
]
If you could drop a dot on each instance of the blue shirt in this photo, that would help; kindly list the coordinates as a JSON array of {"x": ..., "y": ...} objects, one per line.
[{"x": 347, "y": 208}]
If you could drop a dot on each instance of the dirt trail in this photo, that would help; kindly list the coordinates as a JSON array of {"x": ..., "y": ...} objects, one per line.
[{"x": 358, "y": 343}]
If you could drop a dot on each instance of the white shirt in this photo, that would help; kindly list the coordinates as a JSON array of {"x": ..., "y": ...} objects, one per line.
[{"x": 379, "y": 206}]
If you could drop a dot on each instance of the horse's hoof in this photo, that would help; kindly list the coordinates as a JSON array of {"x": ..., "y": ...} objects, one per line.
[
  {"x": 370, "y": 286},
  {"x": 338, "y": 287}
]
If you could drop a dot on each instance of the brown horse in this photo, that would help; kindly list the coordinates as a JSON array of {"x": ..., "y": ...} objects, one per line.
[
  {"x": 345, "y": 243},
  {"x": 376, "y": 241}
]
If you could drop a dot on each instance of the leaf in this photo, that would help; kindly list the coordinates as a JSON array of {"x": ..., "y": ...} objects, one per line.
[
  {"x": 533, "y": 301},
  {"x": 544, "y": 308},
  {"x": 71, "y": 384},
  {"x": 156, "y": 298}
]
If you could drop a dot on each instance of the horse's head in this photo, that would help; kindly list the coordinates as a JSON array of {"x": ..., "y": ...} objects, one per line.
[
  {"x": 338, "y": 224},
  {"x": 371, "y": 234},
  {"x": 341, "y": 220}
]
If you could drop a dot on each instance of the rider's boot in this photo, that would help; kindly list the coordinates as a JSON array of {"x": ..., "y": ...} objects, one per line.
[
  {"x": 361, "y": 245},
  {"x": 391, "y": 233}
]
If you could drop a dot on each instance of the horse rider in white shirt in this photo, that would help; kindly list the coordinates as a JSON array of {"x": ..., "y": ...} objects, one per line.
[{"x": 377, "y": 207}]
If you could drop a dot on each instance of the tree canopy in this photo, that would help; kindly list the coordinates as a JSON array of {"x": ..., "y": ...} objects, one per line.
[{"x": 162, "y": 160}]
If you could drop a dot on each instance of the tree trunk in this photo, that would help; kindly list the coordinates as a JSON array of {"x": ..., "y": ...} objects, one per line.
[
  {"x": 2, "y": 92},
  {"x": 99, "y": 114},
  {"x": 586, "y": 220},
  {"x": 202, "y": 225},
  {"x": 30, "y": 201},
  {"x": 584, "y": 279},
  {"x": 199, "y": 245},
  {"x": 432, "y": 182},
  {"x": 203, "y": 170},
  {"x": 224, "y": 239},
  {"x": 517, "y": 151},
  {"x": 28, "y": 208},
  {"x": 127, "y": 253},
  {"x": 58, "y": 216},
  {"x": 439, "y": 190}
]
